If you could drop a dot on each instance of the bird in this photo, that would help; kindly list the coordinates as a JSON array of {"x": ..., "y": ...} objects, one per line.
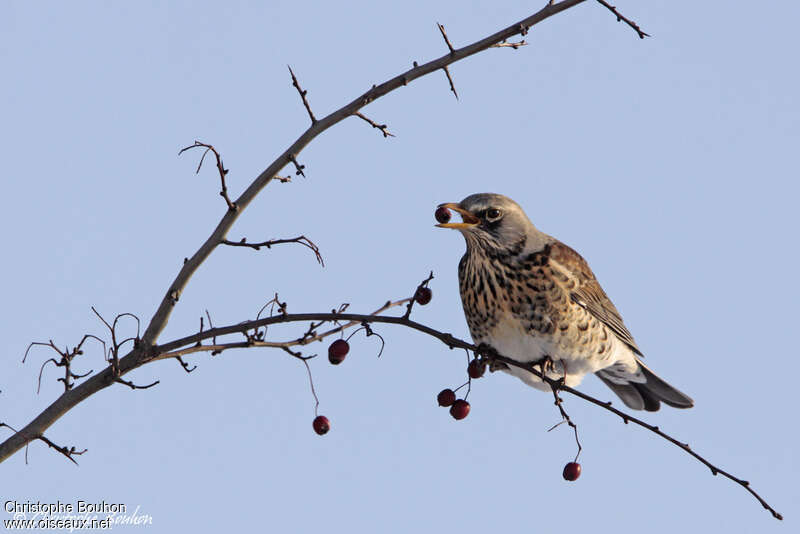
[{"x": 531, "y": 298}]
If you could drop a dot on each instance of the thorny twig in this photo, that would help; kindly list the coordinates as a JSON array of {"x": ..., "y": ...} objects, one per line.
[
  {"x": 185, "y": 365},
  {"x": 446, "y": 40},
  {"x": 452, "y": 51},
  {"x": 309, "y": 336},
  {"x": 167, "y": 303},
  {"x": 298, "y": 168},
  {"x": 113, "y": 351},
  {"x": 68, "y": 452},
  {"x": 275, "y": 301},
  {"x": 138, "y": 356},
  {"x": 303, "y": 94},
  {"x": 450, "y": 79},
  {"x": 622, "y": 18},
  {"x": 173, "y": 348},
  {"x": 131, "y": 385},
  {"x": 381, "y": 127},
  {"x": 66, "y": 360},
  {"x": 220, "y": 168},
  {"x": 626, "y": 418},
  {"x": 302, "y": 240},
  {"x": 510, "y": 45}
]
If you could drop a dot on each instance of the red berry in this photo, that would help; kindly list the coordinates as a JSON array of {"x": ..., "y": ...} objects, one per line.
[
  {"x": 337, "y": 351},
  {"x": 460, "y": 409},
  {"x": 476, "y": 368},
  {"x": 572, "y": 471},
  {"x": 321, "y": 425},
  {"x": 423, "y": 295},
  {"x": 442, "y": 214},
  {"x": 446, "y": 397}
]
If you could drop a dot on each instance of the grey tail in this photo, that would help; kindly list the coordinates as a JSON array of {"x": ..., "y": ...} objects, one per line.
[{"x": 647, "y": 394}]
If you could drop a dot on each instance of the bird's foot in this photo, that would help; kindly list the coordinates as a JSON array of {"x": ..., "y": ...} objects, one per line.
[
  {"x": 484, "y": 349},
  {"x": 545, "y": 364},
  {"x": 489, "y": 354},
  {"x": 494, "y": 366}
]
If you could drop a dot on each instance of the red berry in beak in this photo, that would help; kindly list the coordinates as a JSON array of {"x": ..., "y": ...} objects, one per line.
[{"x": 442, "y": 215}]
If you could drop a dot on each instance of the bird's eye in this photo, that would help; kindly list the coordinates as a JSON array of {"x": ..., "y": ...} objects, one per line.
[{"x": 493, "y": 214}]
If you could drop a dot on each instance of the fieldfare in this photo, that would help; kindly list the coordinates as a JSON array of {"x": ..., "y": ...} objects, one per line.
[{"x": 532, "y": 298}]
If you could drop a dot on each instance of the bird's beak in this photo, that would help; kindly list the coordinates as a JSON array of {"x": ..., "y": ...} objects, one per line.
[{"x": 469, "y": 220}]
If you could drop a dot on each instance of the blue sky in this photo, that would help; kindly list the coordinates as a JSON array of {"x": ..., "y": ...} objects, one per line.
[{"x": 669, "y": 163}]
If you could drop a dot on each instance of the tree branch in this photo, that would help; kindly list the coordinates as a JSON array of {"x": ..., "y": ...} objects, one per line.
[
  {"x": 173, "y": 350},
  {"x": 302, "y": 240},
  {"x": 453, "y": 342},
  {"x": 220, "y": 168},
  {"x": 622, "y": 18},
  {"x": 162, "y": 314},
  {"x": 145, "y": 349},
  {"x": 381, "y": 127},
  {"x": 303, "y": 94}
]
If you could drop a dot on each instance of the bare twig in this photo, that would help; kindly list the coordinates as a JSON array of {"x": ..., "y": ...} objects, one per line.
[
  {"x": 302, "y": 95},
  {"x": 368, "y": 330},
  {"x": 302, "y": 240},
  {"x": 188, "y": 345},
  {"x": 298, "y": 168},
  {"x": 446, "y": 40},
  {"x": 622, "y": 18},
  {"x": 220, "y": 168},
  {"x": 381, "y": 127},
  {"x": 211, "y": 325},
  {"x": 565, "y": 418},
  {"x": 450, "y": 79},
  {"x": 275, "y": 301},
  {"x": 185, "y": 365},
  {"x": 113, "y": 351},
  {"x": 65, "y": 361},
  {"x": 452, "y": 51},
  {"x": 626, "y": 418},
  {"x": 308, "y": 337},
  {"x": 165, "y": 308},
  {"x": 134, "y": 386},
  {"x": 146, "y": 350},
  {"x": 453, "y": 342},
  {"x": 411, "y": 301},
  {"x": 68, "y": 452},
  {"x": 515, "y": 45}
]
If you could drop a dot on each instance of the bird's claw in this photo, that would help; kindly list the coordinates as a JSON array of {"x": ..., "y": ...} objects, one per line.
[
  {"x": 495, "y": 365},
  {"x": 490, "y": 354},
  {"x": 546, "y": 365}
]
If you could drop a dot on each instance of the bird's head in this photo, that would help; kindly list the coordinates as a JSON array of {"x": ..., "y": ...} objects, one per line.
[{"x": 490, "y": 220}]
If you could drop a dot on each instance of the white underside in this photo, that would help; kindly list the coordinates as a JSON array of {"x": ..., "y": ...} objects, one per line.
[{"x": 514, "y": 343}]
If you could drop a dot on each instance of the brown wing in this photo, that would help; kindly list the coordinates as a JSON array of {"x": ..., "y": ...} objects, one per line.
[{"x": 587, "y": 292}]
